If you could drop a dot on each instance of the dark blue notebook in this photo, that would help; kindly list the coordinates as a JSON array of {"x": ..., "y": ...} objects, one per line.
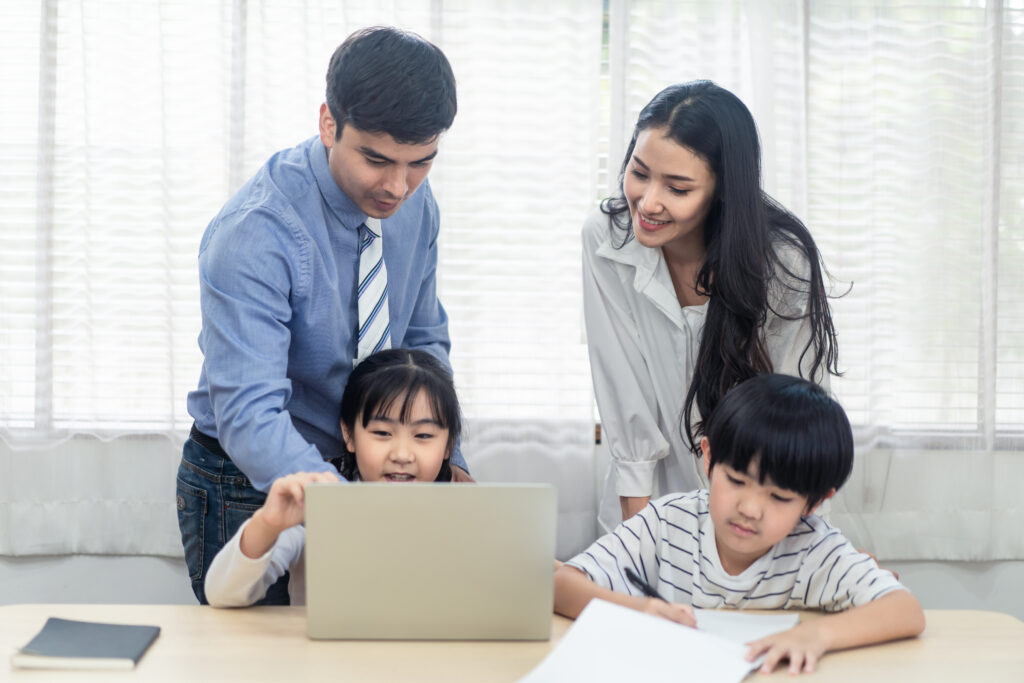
[{"x": 67, "y": 644}]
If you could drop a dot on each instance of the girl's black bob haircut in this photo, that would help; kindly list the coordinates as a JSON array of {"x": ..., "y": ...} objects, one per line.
[
  {"x": 394, "y": 375},
  {"x": 797, "y": 435}
]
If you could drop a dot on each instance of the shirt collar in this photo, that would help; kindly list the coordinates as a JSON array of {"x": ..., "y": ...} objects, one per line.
[
  {"x": 632, "y": 253},
  {"x": 650, "y": 278},
  {"x": 340, "y": 204}
]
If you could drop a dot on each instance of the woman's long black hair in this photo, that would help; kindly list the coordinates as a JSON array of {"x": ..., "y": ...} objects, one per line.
[
  {"x": 399, "y": 375},
  {"x": 743, "y": 234}
]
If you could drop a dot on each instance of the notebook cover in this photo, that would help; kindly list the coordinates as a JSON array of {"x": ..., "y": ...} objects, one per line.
[{"x": 107, "y": 644}]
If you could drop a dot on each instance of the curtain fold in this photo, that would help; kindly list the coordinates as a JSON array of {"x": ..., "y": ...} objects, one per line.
[
  {"x": 911, "y": 504},
  {"x": 90, "y": 496}
]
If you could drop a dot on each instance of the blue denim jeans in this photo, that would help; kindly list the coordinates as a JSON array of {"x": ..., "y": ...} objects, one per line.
[{"x": 214, "y": 498}]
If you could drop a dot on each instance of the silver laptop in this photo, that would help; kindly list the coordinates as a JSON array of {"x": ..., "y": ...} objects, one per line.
[{"x": 430, "y": 561}]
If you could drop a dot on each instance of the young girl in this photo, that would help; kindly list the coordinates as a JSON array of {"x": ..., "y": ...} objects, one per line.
[
  {"x": 776, "y": 447},
  {"x": 399, "y": 422},
  {"x": 694, "y": 280}
]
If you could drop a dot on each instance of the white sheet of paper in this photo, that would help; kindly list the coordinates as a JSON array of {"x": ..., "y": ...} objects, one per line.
[
  {"x": 614, "y": 644},
  {"x": 740, "y": 627},
  {"x": 743, "y": 628}
]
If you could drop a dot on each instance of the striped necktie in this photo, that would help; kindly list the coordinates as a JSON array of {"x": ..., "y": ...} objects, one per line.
[{"x": 374, "y": 322}]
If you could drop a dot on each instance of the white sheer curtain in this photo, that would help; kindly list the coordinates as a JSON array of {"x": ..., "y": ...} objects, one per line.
[
  {"x": 894, "y": 129},
  {"x": 518, "y": 174},
  {"x": 127, "y": 124}
]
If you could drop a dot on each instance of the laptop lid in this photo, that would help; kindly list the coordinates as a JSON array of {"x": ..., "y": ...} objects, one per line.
[{"x": 427, "y": 561}]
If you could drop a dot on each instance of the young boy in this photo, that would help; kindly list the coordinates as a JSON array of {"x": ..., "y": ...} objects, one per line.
[{"x": 776, "y": 447}]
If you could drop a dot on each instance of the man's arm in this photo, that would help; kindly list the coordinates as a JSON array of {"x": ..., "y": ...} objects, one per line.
[
  {"x": 246, "y": 279},
  {"x": 894, "y": 615}
]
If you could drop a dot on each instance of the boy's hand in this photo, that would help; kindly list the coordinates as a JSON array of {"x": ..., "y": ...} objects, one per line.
[
  {"x": 802, "y": 645},
  {"x": 673, "y": 611}
]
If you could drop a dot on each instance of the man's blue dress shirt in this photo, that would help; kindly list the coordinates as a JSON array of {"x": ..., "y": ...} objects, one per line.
[{"x": 277, "y": 271}]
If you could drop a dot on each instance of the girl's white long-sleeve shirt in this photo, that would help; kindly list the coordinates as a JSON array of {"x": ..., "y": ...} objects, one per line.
[
  {"x": 235, "y": 580},
  {"x": 643, "y": 348}
]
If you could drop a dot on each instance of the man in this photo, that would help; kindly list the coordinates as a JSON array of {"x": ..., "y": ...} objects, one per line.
[{"x": 290, "y": 294}]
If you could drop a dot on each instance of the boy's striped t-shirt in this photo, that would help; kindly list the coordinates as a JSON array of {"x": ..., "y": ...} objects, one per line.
[{"x": 671, "y": 544}]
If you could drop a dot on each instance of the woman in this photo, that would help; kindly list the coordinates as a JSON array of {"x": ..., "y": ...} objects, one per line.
[{"x": 694, "y": 280}]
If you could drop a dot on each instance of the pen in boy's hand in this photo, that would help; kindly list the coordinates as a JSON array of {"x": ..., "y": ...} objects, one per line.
[{"x": 642, "y": 585}]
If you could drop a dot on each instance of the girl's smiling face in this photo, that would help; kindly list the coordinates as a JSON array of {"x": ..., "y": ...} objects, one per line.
[
  {"x": 669, "y": 190},
  {"x": 388, "y": 449}
]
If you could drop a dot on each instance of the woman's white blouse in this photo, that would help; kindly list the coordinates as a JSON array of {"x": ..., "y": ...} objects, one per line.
[{"x": 643, "y": 346}]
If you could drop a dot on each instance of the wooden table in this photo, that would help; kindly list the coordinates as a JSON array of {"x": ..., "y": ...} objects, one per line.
[{"x": 269, "y": 644}]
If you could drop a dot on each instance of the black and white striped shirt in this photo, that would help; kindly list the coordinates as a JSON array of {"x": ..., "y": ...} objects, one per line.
[{"x": 671, "y": 543}]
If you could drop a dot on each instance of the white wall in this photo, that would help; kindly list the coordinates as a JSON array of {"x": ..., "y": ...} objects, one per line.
[
  {"x": 94, "y": 579},
  {"x": 994, "y": 586}
]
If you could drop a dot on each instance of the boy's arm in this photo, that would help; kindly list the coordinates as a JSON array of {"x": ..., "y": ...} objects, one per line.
[
  {"x": 895, "y": 615},
  {"x": 573, "y": 590}
]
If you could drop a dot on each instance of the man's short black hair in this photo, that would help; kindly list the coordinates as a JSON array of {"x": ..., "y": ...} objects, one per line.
[{"x": 385, "y": 80}]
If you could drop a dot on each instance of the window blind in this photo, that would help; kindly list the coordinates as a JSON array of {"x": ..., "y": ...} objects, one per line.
[
  {"x": 126, "y": 127},
  {"x": 151, "y": 114}
]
